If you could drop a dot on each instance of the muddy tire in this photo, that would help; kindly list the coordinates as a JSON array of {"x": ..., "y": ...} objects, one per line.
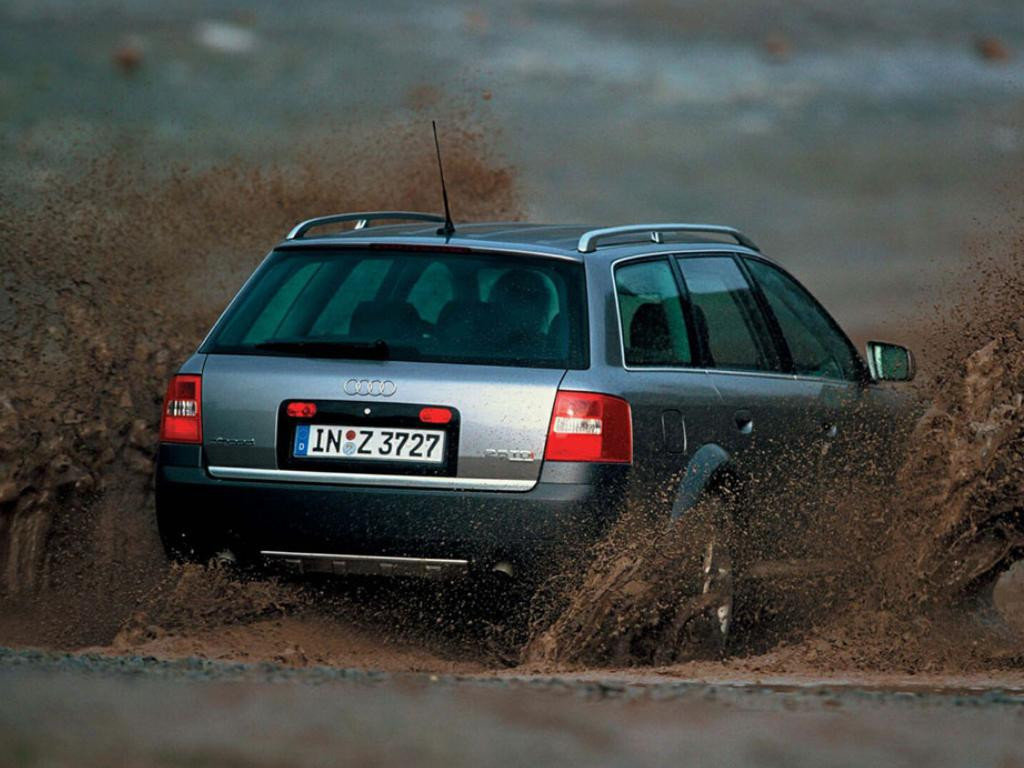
[
  {"x": 656, "y": 593},
  {"x": 714, "y": 527},
  {"x": 697, "y": 619}
]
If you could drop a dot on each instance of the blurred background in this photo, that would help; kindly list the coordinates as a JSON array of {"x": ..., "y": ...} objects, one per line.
[{"x": 869, "y": 146}]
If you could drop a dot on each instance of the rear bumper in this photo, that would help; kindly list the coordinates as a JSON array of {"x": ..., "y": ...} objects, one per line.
[{"x": 570, "y": 505}]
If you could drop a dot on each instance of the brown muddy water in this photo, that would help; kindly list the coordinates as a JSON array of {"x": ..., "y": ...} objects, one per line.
[{"x": 110, "y": 280}]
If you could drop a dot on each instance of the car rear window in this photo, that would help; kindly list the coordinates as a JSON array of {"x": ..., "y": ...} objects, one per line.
[{"x": 484, "y": 309}]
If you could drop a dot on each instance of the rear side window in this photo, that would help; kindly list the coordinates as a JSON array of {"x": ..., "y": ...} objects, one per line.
[
  {"x": 817, "y": 346},
  {"x": 726, "y": 315},
  {"x": 420, "y": 306},
  {"x": 650, "y": 309}
]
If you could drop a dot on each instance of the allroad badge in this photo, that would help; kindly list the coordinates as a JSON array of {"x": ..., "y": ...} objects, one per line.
[{"x": 370, "y": 387}]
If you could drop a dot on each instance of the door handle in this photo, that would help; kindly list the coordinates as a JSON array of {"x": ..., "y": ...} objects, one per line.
[{"x": 744, "y": 422}]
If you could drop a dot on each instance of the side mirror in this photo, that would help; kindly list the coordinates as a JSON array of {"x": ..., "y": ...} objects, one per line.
[{"x": 890, "y": 362}]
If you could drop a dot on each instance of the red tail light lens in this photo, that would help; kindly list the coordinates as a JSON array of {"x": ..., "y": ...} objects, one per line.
[
  {"x": 182, "y": 418},
  {"x": 589, "y": 427},
  {"x": 301, "y": 410}
]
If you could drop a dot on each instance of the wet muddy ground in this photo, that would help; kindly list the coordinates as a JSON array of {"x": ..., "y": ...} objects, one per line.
[{"x": 95, "y": 711}]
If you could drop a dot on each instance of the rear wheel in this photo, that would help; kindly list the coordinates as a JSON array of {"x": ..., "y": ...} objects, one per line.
[
  {"x": 698, "y": 619},
  {"x": 654, "y": 593},
  {"x": 717, "y": 577}
]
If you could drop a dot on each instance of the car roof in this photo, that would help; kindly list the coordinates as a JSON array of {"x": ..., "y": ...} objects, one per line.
[{"x": 559, "y": 240}]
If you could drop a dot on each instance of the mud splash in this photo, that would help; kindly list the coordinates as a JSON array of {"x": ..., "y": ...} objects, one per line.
[
  {"x": 640, "y": 600},
  {"x": 111, "y": 275},
  {"x": 917, "y": 558},
  {"x": 961, "y": 513},
  {"x": 394, "y": 624}
]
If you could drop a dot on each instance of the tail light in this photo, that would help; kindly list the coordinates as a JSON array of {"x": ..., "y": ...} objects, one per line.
[
  {"x": 589, "y": 427},
  {"x": 182, "y": 418}
]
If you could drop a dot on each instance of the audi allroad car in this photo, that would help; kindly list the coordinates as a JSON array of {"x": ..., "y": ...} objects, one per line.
[{"x": 398, "y": 398}]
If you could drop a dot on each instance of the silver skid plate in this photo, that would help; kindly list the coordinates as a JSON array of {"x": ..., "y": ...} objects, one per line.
[{"x": 367, "y": 565}]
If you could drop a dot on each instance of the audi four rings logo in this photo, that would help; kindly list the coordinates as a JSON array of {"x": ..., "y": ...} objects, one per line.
[{"x": 370, "y": 387}]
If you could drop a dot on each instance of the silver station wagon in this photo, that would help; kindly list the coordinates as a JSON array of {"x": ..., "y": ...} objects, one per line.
[{"x": 398, "y": 398}]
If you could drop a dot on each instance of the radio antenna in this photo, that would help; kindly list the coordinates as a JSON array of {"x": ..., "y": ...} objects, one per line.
[{"x": 449, "y": 228}]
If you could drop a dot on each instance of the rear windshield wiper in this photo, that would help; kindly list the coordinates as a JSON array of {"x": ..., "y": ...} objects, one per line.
[{"x": 358, "y": 350}]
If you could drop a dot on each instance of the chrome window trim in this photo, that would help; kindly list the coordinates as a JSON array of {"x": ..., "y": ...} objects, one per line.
[
  {"x": 789, "y": 376},
  {"x": 739, "y": 372},
  {"x": 745, "y": 372},
  {"x": 374, "y": 481}
]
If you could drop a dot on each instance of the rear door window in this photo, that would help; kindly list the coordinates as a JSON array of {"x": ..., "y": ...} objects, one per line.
[
  {"x": 726, "y": 315},
  {"x": 816, "y": 345},
  {"x": 650, "y": 311},
  {"x": 488, "y": 309}
]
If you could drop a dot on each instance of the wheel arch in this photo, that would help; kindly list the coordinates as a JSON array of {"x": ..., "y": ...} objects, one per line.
[{"x": 708, "y": 470}]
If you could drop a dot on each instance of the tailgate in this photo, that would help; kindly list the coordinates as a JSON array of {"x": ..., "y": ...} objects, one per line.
[{"x": 498, "y": 428}]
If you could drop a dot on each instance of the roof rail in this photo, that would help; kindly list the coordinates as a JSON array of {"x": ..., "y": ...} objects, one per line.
[
  {"x": 362, "y": 220},
  {"x": 589, "y": 240}
]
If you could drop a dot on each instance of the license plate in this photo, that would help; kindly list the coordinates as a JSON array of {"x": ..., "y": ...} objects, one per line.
[{"x": 329, "y": 441}]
